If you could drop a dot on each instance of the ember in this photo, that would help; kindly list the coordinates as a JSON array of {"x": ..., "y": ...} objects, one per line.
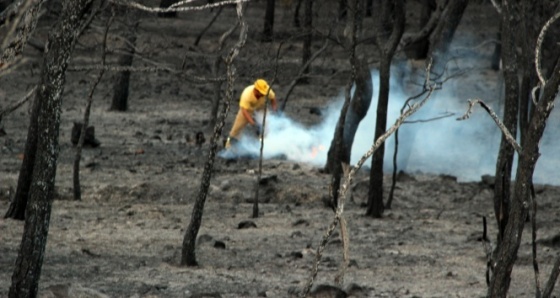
[{"x": 315, "y": 150}]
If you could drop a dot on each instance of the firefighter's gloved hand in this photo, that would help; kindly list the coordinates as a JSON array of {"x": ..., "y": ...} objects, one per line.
[{"x": 259, "y": 129}]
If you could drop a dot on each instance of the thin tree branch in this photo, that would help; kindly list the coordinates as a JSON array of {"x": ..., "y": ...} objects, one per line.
[
  {"x": 214, "y": 18},
  {"x": 174, "y": 7},
  {"x": 301, "y": 71},
  {"x": 80, "y": 145},
  {"x": 496, "y": 119},
  {"x": 538, "y": 49},
  {"x": 17, "y": 104}
]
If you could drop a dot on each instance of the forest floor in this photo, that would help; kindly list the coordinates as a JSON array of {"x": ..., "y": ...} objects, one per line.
[{"x": 123, "y": 239}]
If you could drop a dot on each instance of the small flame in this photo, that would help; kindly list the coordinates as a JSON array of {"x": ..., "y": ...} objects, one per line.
[{"x": 315, "y": 150}]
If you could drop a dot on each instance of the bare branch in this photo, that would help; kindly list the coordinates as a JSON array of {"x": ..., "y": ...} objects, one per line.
[
  {"x": 538, "y": 50},
  {"x": 496, "y": 119},
  {"x": 301, "y": 71},
  {"x": 446, "y": 115},
  {"x": 82, "y": 138},
  {"x": 174, "y": 7},
  {"x": 16, "y": 105}
]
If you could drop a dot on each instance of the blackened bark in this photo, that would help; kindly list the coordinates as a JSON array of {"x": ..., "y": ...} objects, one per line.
[
  {"x": 497, "y": 54},
  {"x": 19, "y": 204},
  {"x": 307, "y": 22},
  {"x": 166, "y": 4},
  {"x": 443, "y": 34},
  {"x": 25, "y": 279},
  {"x": 419, "y": 49},
  {"x": 121, "y": 86},
  {"x": 505, "y": 156},
  {"x": 354, "y": 108},
  {"x": 296, "y": 14},
  {"x": 356, "y": 111},
  {"x": 369, "y": 8},
  {"x": 268, "y": 31},
  {"x": 342, "y": 9},
  {"x": 393, "y": 17}
]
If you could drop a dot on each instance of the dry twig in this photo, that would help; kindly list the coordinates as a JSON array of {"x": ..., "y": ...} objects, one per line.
[
  {"x": 538, "y": 49},
  {"x": 177, "y": 6},
  {"x": 17, "y": 104},
  {"x": 496, "y": 119}
]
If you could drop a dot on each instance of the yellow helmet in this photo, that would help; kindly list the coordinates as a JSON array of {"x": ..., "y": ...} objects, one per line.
[{"x": 261, "y": 86}]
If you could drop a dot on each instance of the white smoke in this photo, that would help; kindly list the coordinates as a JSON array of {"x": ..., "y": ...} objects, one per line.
[{"x": 464, "y": 149}]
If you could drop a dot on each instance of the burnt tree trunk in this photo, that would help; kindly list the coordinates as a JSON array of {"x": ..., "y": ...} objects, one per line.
[
  {"x": 307, "y": 23},
  {"x": 419, "y": 49},
  {"x": 443, "y": 34},
  {"x": 342, "y": 9},
  {"x": 268, "y": 31},
  {"x": 188, "y": 252},
  {"x": 296, "y": 14},
  {"x": 121, "y": 86},
  {"x": 354, "y": 109},
  {"x": 390, "y": 31},
  {"x": 505, "y": 156},
  {"x": 19, "y": 203},
  {"x": 25, "y": 278},
  {"x": 497, "y": 54},
  {"x": 354, "y": 114}
]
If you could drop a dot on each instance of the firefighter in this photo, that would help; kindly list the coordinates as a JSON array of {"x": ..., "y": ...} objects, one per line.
[{"x": 252, "y": 99}]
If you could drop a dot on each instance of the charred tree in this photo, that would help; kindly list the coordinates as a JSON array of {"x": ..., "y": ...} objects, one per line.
[
  {"x": 307, "y": 23},
  {"x": 83, "y": 127},
  {"x": 443, "y": 34},
  {"x": 497, "y": 54},
  {"x": 340, "y": 151},
  {"x": 510, "y": 19},
  {"x": 19, "y": 203},
  {"x": 296, "y": 14},
  {"x": 390, "y": 30},
  {"x": 188, "y": 253},
  {"x": 354, "y": 109},
  {"x": 121, "y": 85},
  {"x": 418, "y": 49},
  {"x": 61, "y": 41},
  {"x": 268, "y": 31}
]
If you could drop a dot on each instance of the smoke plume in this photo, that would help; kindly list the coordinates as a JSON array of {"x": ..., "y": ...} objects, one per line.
[{"x": 431, "y": 141}]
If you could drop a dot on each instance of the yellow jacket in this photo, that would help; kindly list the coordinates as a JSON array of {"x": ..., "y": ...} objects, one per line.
[{"x": 251, "y": 103}]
